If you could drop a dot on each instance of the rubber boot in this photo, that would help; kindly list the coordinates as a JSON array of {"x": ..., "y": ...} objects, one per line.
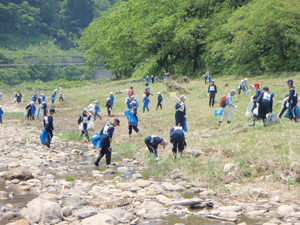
[
  {"x": 253, "y": 123},
  {"x": 180, "y": 154},
  {"x": 219, "y": 123},
  {"x": 108, "y": 159},
  {"x": 140, "y": 133},
  {"x": 265, "y": 122},
  {"x": 98, "y": 159}
]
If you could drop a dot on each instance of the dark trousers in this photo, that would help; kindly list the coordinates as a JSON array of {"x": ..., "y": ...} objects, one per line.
[
  {"x": 105, "y": 150},
  {"x": 49, "y": 137},
  {"x": 263, "y": 111},
  {"x": 147, "y": 94},
  {"x": 108, "y": 111},
  {"x": 292, "y": 111},
  {"x": 151, "y": 148},
  {"x": 212, "y": 96},
  {"x": 178, "y": 145},
  {"x": 61, "y": 99},
  {"x": 85, "y": 131},
  {"x": 159, "y": 105},
  {"x": 179, "y": 119},
  {"x": 130, "y": 127},
  {"x": 241, "y": 88},
  {"x": 282, "y": 111}
]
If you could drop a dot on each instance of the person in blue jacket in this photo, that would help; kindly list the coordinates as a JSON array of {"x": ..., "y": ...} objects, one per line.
[
  {"x": 180, "y": 112},
  {"x": 43, "y": 97},
  {"x": 33, "y": 110},
  {"x": 178, "y": 140},
  {"x": 152, "y": 143},
  {"x": 127, "y": 103},
  {"x": 147, "y": 80},
  {"x": 164, "y": 76},
  {"x": 136, "y": 101},
  {"x": 53, "y": 98},
  {"x": 84, "y": 118},
  {"x": 45, "y": 108},
  {"x": 254, "y": 99},
  {"x": 292, "y": 100},
  {"x": 108, "y": 106},
  {"x": 159, "y": 101},
  {"x": 97, "y": 109},
  {"x": 146, "y": 102},
  {"x": 147, "y": 90},
  {"x": 106, "y": 135},
  {"x": 112, "y": 99},
  {"x": 265, "y": 106},
  {"x": 48, "y": 124},
  {"x": 134, "y": 113},
  {"x": 1, "y": 113}
]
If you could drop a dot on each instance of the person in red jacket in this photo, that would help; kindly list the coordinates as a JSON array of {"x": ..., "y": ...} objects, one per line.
[{"x": 130, "y": 92}]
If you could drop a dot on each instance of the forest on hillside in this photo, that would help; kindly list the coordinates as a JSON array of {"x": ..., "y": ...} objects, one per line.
[{"x": 189, "y": 37}]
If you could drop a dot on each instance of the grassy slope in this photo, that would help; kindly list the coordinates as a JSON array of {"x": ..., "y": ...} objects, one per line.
[{"x": 259, "y": 153}]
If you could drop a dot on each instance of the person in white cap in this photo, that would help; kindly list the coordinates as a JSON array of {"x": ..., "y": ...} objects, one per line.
[
  {"x": 97, "y": 109},
  {"x": 146, "y": 102},
  {"x": 84, "y": 118},
  {"x": 30, "y": 111},
  {"x": 108, "y": 106},
  {"x": 227, "y": 112},
  {"x": 112, "y": 99},
  {"x": 152, "y": 143},
  {"x": 243, "y": 86},
  {"x": 180, "y": 112},
  {"x": 136, "y": 101},
  {"x": 1, "y": 113},
  {"x": 159, "y": 101},
  {"x": 61, "y": 97}
]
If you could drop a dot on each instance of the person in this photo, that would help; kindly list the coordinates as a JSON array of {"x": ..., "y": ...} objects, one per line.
[
  {"x": 84, "y": 118},
  {"x": 180, "y": 112},
  {"x": 243, "y": 86},
  {"x": 136, "y": 101},
  {"x": 152, "y": 143},
  {"x": 29, "y": 113},
  {"x": 159, "y": 101},
  {"x": 108, "y": 106},
  {"x": 155, "y": 79},
  {"x": 292, "y": 100},
  {"x": 146, "y": 102},
  {"x": 44, "y": 107},
  {"x": 168, "y": 75},
  {"x": 48, "y": 124},
  {"x": 206, "y": 77},
  {"x": 43, "y": 97},
  {"x": 130, "y": 92},
  {"x": 227, "y": 112},
  {"x": 127, "y": 103},
  {"x": 35, "y": 96},
  {"x": 152, "y": 79},
  {"x": 53, "y": 98},
  {"x": 164, "y": 76},
  {"x": 212, "y": 92},
  {"x": 147, "y": 90},
  {"x": 97, "y": 109},
  {"x": 254, "y": 99},
  {"x": 284, "y": 107},
  {"x": 112, "y": 99},
  {"x": 134, "y": 113},
  {"x": 106, "y": 135},
  {"x": 61, "y": 97},
  {"x": 1, "y": 113},
  {"x": 40, "y": 100},
  {"x": 265, "y": 106},
  {"x": 1, "y": 95},
  {"x": 147, "y": 80},
  {"x": 33, "y": 110},
  {"x": 19, "y": 97},
  {"x": 178, "y": 140}
]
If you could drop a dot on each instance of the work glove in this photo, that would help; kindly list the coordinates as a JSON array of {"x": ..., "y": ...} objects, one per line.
[
  {"x": 287, "y": 105},
  {"x": 235, "y": 107},
  {"x": 187, "y": 145},
  {"x": 172, "y": 145},
  {"x": 207, "y": 94},
  {"x": 110, "y": 145},
  {"x": 53, "y": 131}
]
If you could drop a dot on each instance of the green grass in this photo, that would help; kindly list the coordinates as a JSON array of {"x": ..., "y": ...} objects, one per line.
[
  {"x": 69, "y": 178},
  {"x": 13, "y": 115}
]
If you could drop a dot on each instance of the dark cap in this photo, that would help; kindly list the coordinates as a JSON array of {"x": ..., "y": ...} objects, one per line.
[
  {"x": 117, "y": 120},
  {"x": 290, "y": 81},
  {"x": 52, "y": 110},
  {"x": 266, "y": 88}
]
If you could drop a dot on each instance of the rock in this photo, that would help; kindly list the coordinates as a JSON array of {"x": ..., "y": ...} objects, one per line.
[
  {"x": 75, "y": 200},
  {"x": 110, "y": 171},
  {"x": 295, "y": 166},
  {"x": 198, "y": 206},
  {"x": 142, "y": 183},
  {"x": 24, "y": 188},
  {"x": 3, "y": 195},
  {"x": 86, "y": 212},
  {"x": 228, "y": 167},
  {"x": 66, "y": 211},
  {"x": 41, "y": 210},
  {"x": 99, "y": 219},
  {"x": 255, "y": 214},
  {"x": 151, "y": 210},
  {"x": 163, "y": 199},
  {"x": 124, "y": 186},
  {"x": 185, "y": 202},
  {"x": 137, "y": 176},
  {"x": 121, "y": 216},
  {"x": 234, "y": 208},
  {"x": 123, "y": 169},
  {"x": 258, "y": 193},
  {"x": 228, "y": 215},
  {"x": 19, "y": 222},
  {"x": 285, "y": 210},
  {"x": 173, "y": 187},
  {"x": 243, "y": 223},
  {"x": 20, "y": 173}
]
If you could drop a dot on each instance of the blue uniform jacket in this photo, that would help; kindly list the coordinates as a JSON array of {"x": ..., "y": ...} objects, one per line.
[
  {"x": 153, "y": 141},
  {"x": 128, "y": 104},
  {"x": 97, "y": 108},
  {"x": 112, "y": 99},
  {"x": 265, "y": 100},
  {"x": 178, "y": 106},
  {"x": 146, "y": 101},
  {"x": 257, "y": 94},
  {"x": 33, "y": 110},
  {"x": 1, "y": 113},
  {"x": 292, "y": 96},
  {"x": 107, "y": 132},
  {"x": 159, "y": 99},
  {"x": 176, "y": 135},
  {"x": 48, "y": 122},
  {"x": 137, "y": 103},
  {"x": 43, "y": 98}
]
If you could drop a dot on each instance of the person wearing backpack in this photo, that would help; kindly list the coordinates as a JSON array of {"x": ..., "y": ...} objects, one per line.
[
  {"x": 227, "y": 104},
  {"x": 212, "y": 93},
  {"x": 152, "y": 143},
  {"x": 254, "y": 99},
  {"x": 178, "y": 140},
  {"x": 292, "y": 100},
  {"x": 265, "y": 106},
  {"x": 84, "y": 118},
  {"x": 180, "y": 112},
  {"x": 48, "y": 124},
  {"x": 106, "y": 135}
]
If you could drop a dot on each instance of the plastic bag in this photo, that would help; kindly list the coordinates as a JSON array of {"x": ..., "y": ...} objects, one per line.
[
  {"x": 38, "y": 114},
  {"x": 250, "y": 105},
  {"x": 272, "y": 118},
  {"x": 184, "y": 126},
  {"x": 297, "y": 112},
  {"x": 248, "y": 115},
  {"x": 96, "y": 140},
  {"x": 26, "y": 112},
  {"x": 91, "y": 109},
  {"x": 219, "y": 112},
  {"x": 131, "y": 119},
  {"x": 91, "y": 125},
  {"x": 255, "y": 111},
  {"x": 43, "y": 137},
  {"x": 80, "y": 128}
]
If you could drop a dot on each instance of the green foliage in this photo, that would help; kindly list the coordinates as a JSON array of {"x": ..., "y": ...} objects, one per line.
[{"x": 69, "y": 178}]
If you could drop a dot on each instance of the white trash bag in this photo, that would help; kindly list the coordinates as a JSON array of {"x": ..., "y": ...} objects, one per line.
[
  {"x": 272, "y": 118},
  {"x": 91, "y": 108},
  {"x": 91, "y": 125},
  {"x": 80, "y": 128},
  {"x": 26, "y": 112}
]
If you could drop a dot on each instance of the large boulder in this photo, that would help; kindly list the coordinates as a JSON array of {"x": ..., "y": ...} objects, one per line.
[
  {"x": 285, "y": 210},
  {"x": 20, "y": 173},
  {"x": 41, "y": 211},
  {"x": 120, "y": 215},
  {"x": 99, "y": 219}
]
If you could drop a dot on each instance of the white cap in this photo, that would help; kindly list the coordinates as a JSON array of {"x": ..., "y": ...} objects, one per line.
[
  {"x": 96, "y": 101},
  {"x": 246, "y": 78},
  {"x": 111, "y": 93},
  {"x": 165, "y": 143},
  {"x": 31, "y": 102},
  {"x": 144, "y": 95},
  {"x": 127, "y": 99},
  {"x": 182, "y": 97},
  {"x": 0, "y": 106},
  {"x": 132, "y": 96},
  {"x": 85, "y": 110},
  {"x": 159, "y": 93},
  {"x": 44, "y": 102},
  {"x": 42, "y": 94},
  {"x": 108, "y": 99}
]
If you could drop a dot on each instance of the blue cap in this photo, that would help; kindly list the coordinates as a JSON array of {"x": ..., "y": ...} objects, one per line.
[
  {"x": 290, "y": 81},
  {"x": 117, "y": 120},
  {"x": 266, "y": 88},
  {"x": 233, "y": 90},
  {"x": 52, "y": 110},
  {"x": 272, "y": 95},
  {"x": 85, "y": 110}
]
